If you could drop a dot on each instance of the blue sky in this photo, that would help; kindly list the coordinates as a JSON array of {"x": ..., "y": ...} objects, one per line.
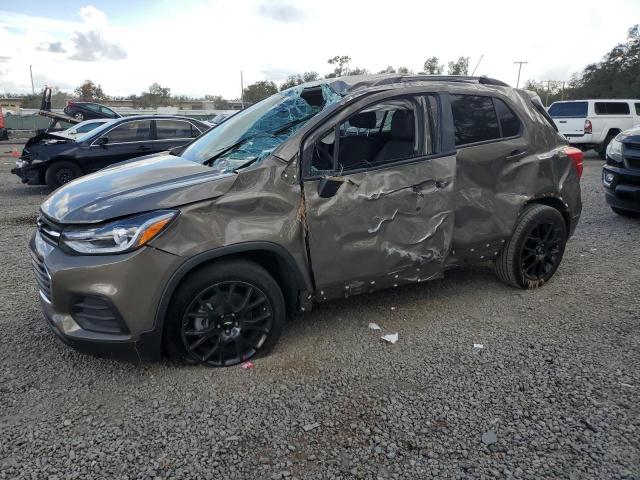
[{"x": 198, "y": 47}]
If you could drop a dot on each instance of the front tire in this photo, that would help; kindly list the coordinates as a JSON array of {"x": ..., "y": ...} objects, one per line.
[
  {"x": 224, "y": 314},
  {"x": 533, "y": 253},
  {"x": 79, "y": 116},
  {"x": 61, "y": 172}
]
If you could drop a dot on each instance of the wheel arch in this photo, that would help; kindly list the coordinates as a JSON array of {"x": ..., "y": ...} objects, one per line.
[
  {"x": 553, "y": 202},
  {"x": 59, "y": 158},
  {"x": 272, "y": 257}
]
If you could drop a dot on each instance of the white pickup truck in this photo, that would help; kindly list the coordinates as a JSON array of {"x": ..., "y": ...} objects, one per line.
[{"x": 593, "y": 123}]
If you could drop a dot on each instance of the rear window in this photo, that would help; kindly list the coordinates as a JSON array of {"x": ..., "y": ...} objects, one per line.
[
  {"x": 509, "y": 123},
  {"x": 568, "y": 109},
  {"x": 612, "y": 108},
  {"x": 474, "y": 119}
]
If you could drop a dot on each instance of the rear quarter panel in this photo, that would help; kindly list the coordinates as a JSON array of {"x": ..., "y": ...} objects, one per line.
[{"x": 492, "y": 190}]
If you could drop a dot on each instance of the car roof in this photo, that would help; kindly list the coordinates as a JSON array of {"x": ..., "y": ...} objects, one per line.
[
  {"x": 156, "y": 117},
  {"x": 362, "y": 83}
]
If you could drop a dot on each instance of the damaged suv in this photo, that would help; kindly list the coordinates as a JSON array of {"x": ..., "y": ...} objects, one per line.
[{"x": 325, "y": 190}]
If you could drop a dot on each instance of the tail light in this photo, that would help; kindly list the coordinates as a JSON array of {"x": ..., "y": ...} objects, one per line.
[
  {"x": 588, "y": 128},
  {"x": 577, "y": 157}
]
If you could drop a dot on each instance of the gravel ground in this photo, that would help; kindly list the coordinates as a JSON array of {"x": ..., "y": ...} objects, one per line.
[{"x": 554, "y": 393}]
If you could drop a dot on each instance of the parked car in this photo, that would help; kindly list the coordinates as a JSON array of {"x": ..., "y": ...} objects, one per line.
[
  {"x": 55, "y": 159},
  {"x": 83, "y": 127},
  {"x": 4, "y": 134},
  {"x": 218, "y": 119},
  {"x": 593, "y": 124},
  {"x": 621, "y": 173},
  {"x": 326, "y": 190},
  {"x": 89, "y": 110}
]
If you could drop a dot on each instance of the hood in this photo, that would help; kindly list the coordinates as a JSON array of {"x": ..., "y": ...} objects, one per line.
[
  {"x": 631, "y": 136},
  {"x": 47, "y": 138},
  {"x": 157, "y": 182}
]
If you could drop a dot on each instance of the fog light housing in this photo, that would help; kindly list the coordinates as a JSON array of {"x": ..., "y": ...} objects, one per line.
[{"x": 608, "y": 178}]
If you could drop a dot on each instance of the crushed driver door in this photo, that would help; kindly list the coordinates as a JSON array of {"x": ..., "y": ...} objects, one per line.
[{"x": 378, "y": 191}]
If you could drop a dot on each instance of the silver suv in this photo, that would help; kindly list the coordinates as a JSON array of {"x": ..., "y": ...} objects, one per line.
[{"x": 325, "y": 190}]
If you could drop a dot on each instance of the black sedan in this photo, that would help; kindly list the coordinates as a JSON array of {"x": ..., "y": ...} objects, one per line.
[
  {"x": 55, "y": 160},
  {"x": 89, "y": 110}
]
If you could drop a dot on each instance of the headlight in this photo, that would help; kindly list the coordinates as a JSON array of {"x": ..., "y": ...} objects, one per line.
[
  {"x": 118, "y": 236},
  {"x": 614, "y": 149}
]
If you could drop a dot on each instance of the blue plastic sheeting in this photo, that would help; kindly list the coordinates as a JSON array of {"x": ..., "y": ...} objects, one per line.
[{"x": 274, "y": 127}]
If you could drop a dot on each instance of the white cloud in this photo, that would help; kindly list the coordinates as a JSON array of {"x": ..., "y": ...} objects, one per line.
[{"x": 200, "y": 47}]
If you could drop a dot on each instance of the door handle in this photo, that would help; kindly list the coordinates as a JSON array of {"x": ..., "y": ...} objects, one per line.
[
  {"x": 144, "y": 148},
  {"x": 562, "y": 121},
  {"x": 517, "y": 153}
]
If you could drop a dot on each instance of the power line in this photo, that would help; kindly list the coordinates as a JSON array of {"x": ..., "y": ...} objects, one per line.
[{"x": 520, "y": 63}]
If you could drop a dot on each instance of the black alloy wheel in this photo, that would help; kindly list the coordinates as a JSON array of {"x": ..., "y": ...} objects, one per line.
[
  {"x": 533, "y": 253},
  {"x": 541, "y": 251},
  {"x": 227, "y": 323}
]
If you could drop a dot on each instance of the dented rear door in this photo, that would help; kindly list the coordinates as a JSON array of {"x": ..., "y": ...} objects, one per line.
[{"x": 386, "y": 224}]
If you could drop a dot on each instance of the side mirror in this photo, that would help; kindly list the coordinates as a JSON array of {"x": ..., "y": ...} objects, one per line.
[
  {"x": 102, "y": 141},
  {"x": 328, "y": 186}
]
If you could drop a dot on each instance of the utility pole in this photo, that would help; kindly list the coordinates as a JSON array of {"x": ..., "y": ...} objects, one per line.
[
  {"x": 33, "y": 90},
  {"x": 477, "y": 65},
  {"x": 241, "y": 91},
  {"x": 520, "y": 63}
]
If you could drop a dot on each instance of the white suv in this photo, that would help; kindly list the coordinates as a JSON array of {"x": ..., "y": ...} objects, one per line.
[{"x": 593, "y": 123}]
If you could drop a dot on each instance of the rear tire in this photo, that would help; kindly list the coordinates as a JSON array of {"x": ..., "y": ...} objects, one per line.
[
  {"x": 533, "y": 253},
  {"x": 224, "y": 314},
  {"x": 626, "y": 213},
  {"x": 61, "y": 172},
  {"x": 602, "y": 148}
]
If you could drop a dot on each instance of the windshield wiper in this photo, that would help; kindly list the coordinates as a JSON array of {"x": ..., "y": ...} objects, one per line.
[
  {"x": 232, "y": 146},
  {"x": 245, "y": 164}
]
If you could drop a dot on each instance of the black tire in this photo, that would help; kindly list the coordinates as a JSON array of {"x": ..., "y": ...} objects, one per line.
[
  {"x": 210, "y": 322},
  {"x": 602, "y": 148},
  {"x": 79, "y": 116},
  {"x": 525, "y": 262},
  {"x": 61, "y": 172},
  {"x": 626, "y": 213}
]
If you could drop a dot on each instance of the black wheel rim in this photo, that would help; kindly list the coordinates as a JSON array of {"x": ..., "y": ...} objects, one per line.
[
  {"x": 64, "y": 176},
  {"x": 541, "y": 251},
  {"x": 226, "y": 323}
]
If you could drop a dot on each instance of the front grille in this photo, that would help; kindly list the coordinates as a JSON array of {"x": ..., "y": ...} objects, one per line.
[
  {"x": 633, "y": 163},
  {"x": 96, "y": 314},
  {"x": 42, "y": 277},
  {"x": 50, "y": 231}
]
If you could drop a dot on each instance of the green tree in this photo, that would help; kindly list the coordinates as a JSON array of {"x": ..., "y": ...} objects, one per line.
[
  {"x": 89, "y": 92},
  {"x": 432, "y": 66},
  {"x": 298, "y": 79},
  {"x": 340, "y": 63},
  {"x": 459, "y": 67},
  {"x": 359, "y": 71},
  {"x": 404, "y": 70},
  {"x": 617, "y": 75},
  {"x": 259, "y": 91},
  {"x": 159, "y": 95},
  {"x": 219, "y": 103},
  {"x": 389, "y": 69}
]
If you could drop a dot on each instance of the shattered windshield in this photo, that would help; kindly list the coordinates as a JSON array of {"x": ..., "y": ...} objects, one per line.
[{"x": 252, "y": 134}]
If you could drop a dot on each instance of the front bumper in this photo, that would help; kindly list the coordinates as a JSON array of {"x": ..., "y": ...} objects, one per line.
[
  {"x": 623, "y": 191},
  {"x": 130, "y": 284},
  {"x": 27, "y": 173}
]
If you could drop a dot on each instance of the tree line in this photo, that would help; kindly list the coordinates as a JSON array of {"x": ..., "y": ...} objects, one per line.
[{"x": 617, "y": 75}]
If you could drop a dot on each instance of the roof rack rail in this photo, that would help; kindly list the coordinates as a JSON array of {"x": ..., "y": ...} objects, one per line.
[{"x": 439, "y": 78}]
